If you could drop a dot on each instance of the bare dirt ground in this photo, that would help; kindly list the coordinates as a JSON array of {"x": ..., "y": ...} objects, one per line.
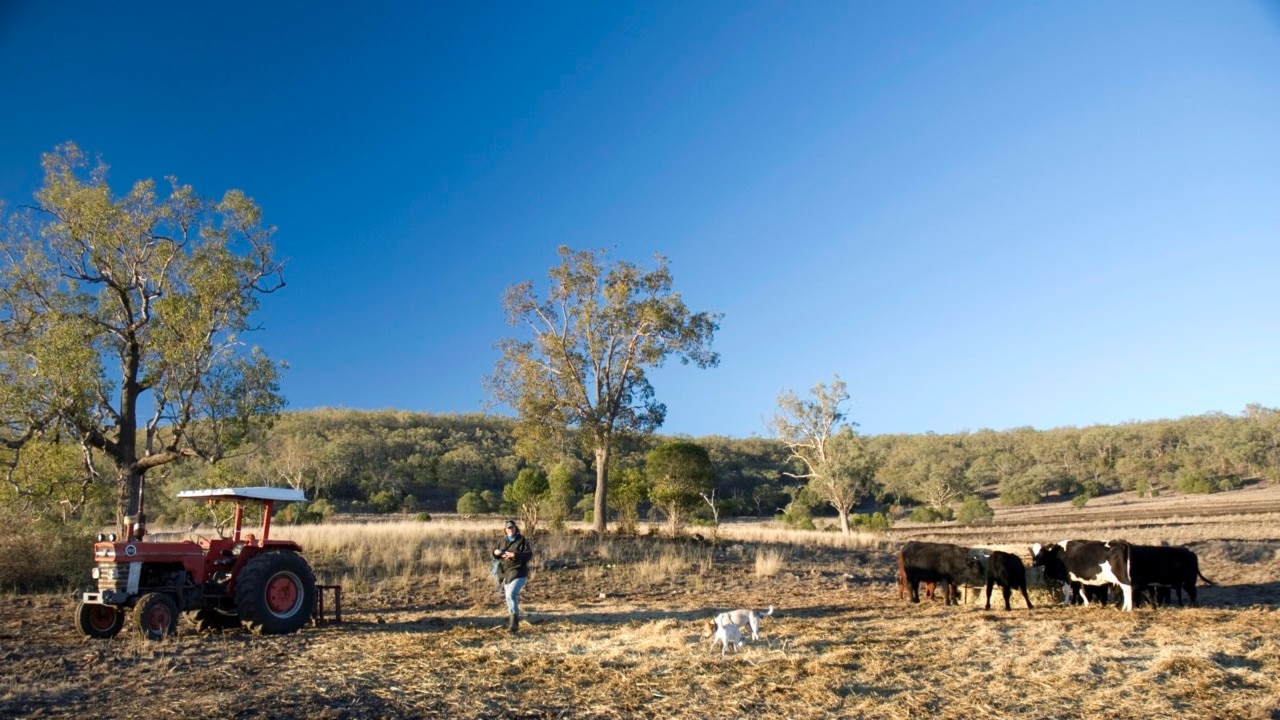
[{"x": 600, "y": 642}]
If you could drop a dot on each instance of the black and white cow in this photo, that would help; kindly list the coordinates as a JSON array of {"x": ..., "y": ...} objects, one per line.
[
  {"x": 1087, "y": 562},
  {"x": 1161, "y": 567},
  {"x": 948, "y": 565},
  {"x": 1008, "y": 571}
]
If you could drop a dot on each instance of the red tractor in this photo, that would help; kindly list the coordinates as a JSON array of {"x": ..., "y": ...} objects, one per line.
[{"x": 263, "y": 584}]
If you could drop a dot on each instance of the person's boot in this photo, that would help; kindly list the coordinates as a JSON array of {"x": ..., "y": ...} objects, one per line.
[{"x": 514, "y": 624}]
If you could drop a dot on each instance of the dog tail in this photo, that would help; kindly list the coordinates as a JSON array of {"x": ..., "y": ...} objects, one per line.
[{"x": 768, "y": 613}]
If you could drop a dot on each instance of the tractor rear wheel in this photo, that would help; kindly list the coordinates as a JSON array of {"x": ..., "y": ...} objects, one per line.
[
  {"x": 156, "y": 616},
  {"x": 208, "y": 620},
  {"x": 98, "y": 621},
  {"x": 275, "y": 593}
]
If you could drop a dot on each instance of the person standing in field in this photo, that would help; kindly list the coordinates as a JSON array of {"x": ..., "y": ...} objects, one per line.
[{"x": 513, "y": 557}]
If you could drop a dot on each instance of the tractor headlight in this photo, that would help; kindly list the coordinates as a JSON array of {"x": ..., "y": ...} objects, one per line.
[
  {"x": 111, "y": 537},
  {"x": 101, "y": 537}
]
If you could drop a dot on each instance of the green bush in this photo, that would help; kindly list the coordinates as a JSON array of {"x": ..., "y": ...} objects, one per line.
[
  {"x": 586, "y": 507},
  {"x": 1089, "y": 489},
  {"x": 925, "y": 514},
  {"x": 799, "y": 512},
  {"x": 323, "y": 508},
  {"x": 423, "y": 517},
  {"x": 409, "y": 504},
  {"x": 1024, "y": 489},
  {"x": 299, "y": 513},
  {"x": 384, "y": 501},
  {"x": 798, "y": 522},
  {"x": 1196, "y": 483},
  {"x": 975, "y": 510},
  {"x": 473, "y": 503},
  {"x": 876, "y": 522}
]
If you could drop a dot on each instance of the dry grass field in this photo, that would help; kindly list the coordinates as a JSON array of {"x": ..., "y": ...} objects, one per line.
[{"x": 613, "y": 631}]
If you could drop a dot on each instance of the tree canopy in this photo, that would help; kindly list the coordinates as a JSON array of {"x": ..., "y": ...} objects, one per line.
[
  {"x": 679, "y": 474},
  {"x": 838, "y": 467},
  {"x": 121, "y": 322},
  {"x": 580, "y": 377}
]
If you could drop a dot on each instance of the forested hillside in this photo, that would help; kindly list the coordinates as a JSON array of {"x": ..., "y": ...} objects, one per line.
[
  {"x": 396, "y": 461},
  {"x": 393, "y": 461}
]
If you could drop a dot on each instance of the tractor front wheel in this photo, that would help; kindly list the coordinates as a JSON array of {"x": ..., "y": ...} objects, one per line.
[
  {"x": 98, "y": 621},
  {"x": 275, "y": 593},
  {"x": 156, "y": 616}
]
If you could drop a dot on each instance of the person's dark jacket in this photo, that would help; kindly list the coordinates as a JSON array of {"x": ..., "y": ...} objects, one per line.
[{"x": 514, "y": 567}]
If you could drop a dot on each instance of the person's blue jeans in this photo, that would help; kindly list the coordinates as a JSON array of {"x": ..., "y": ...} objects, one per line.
[{"x": 512, "y": 593}]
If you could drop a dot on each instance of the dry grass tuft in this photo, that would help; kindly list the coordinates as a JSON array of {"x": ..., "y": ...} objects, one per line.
[{"x": 769, "y": 562}]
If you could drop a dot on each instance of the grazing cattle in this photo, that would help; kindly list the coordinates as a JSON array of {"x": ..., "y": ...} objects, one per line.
[
  {"x": 1009, "y": 572},
  {"x": 1088, "y": 562},
  {"x": 935, "y": 562},
  {"x": 929, "y": 587},
  {"x": 1160, "y": 568}
]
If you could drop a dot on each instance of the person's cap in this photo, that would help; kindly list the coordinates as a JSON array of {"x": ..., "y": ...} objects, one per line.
[{"x": 510, "y": 523}]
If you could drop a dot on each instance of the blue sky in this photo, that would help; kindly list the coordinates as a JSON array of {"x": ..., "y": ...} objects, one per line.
[{"x": 979, "y": 215}]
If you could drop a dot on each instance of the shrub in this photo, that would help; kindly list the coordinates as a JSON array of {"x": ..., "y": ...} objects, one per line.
[
  {"x": 799, "y": 512},
  {"x": 925, "y": 514},
  {"x": 799, "y": 522},
  {"x": 304, "y": 513},
  {"x": 423, "y": 517},
  {"x": 975, "y": 510},
  {"x": 323, "y": 508},
  {"x": 473, "y": 503},
  {"x": 384, "y": 501},
  {"x": 1024, "y": 489},
  {"x": 586, "y": 507},
  {"x": 871, "y": 522},
  {"x": 409, "y": 504},
  {"x": 1196, "y": 483}
]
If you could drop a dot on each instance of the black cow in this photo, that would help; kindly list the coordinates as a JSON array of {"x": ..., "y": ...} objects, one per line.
[
  {"x": 929, "y": 588},
  {"x": 1088, "y": 562},
  {"x": 1160, "y": 568},
  {"x": 1009, "y": 572},
  {"x": 941, "y": 563}
]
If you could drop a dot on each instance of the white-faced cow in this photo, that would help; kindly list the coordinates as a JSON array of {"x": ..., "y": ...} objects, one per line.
[
  {"x": 1087, "y": 562},
  {"x": 941, "y": 563},
  {"x": 1009, "y": 572},
  {"x": 1160, "y": 567}
]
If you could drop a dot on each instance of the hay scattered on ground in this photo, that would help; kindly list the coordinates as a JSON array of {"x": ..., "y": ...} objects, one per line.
[{"x": 602, "y": 642}]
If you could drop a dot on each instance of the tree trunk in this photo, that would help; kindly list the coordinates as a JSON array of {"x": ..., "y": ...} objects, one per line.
[
  {"x": 602, "y": 487},
  {"x": 844, "y": 520},
  {"x": 129, "y": 504}
]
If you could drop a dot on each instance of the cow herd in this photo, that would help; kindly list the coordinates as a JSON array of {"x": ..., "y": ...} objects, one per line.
[{"x": 1086, "y": 569}]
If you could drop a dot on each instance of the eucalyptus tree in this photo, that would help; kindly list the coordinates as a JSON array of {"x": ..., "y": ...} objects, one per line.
[
  {"x": 930, "y": 468},
  {"x": 679, "y": 473},
  {"x": 121, "y": 321},
  {"x": 527, "y": 494},
  {"x": 838, "y": 465},
  {"x": 581, "y": 372}
]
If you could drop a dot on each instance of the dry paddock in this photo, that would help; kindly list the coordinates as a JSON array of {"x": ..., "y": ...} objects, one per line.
[{"x": 841, "y": 644}]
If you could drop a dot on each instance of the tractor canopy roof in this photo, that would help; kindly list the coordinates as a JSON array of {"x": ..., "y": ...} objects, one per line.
[{"x": 247, "y": 493}]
